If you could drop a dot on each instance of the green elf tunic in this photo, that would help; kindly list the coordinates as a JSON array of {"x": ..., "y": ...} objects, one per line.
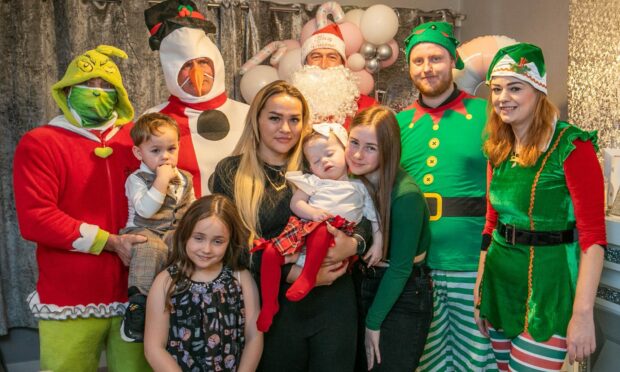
[
  {"x": 532, "y": 288},
  {"x": 442, "y": 151}
]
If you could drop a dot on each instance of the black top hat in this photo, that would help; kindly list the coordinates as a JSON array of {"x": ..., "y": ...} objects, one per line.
[{"x": 167, "y": 16}]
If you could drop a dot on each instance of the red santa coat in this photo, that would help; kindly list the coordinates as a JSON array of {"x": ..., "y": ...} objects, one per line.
[{"x": 363, "y": 102}]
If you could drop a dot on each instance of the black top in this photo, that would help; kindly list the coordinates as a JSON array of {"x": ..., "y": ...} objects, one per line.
[{"x": 274, "y": 210}]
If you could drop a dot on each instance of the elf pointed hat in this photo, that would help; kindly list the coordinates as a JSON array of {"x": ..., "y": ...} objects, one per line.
[
  {"x": 329, "y": 37},
  {"x": 522, "y": 61},
  {"x": 440, "y": 33},
  {"x": 94, "y": 63}
]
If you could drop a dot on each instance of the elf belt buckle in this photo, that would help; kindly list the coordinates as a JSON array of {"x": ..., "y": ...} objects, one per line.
[
  {"x": 435, "y": 205},
  {"x": 510, "y": 234}
]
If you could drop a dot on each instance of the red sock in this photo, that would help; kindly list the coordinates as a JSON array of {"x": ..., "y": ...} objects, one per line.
[
  {"x": 270, "y": 273},
  {"x": 317, "y": 244}
]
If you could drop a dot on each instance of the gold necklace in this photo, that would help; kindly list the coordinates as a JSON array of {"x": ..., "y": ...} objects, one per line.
[
  {"x": 514, "y": 158},
  {"x": 279, "y": 172}
]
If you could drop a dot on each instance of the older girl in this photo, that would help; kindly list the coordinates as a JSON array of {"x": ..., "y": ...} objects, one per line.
[
  {"x": 395, "y": 295},
  {"x": 537, "y": 277}
]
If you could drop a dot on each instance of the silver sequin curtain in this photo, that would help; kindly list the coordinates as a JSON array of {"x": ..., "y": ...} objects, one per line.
[
  {"x": 594, "y": 104},
  {"x": 38, "y": 38},
  {"x": 594, "y": 68}
]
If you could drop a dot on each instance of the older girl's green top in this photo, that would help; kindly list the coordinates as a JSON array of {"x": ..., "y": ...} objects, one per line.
[{"x": 410, "y": 236}]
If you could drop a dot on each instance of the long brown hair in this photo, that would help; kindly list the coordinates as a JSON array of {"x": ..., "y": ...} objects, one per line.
[
  {"x": 249, "y": 183},
  {"x": 388, "y": 141},
  {"x": 500, "y": 140},
  {"x": 236, "y": 256}
]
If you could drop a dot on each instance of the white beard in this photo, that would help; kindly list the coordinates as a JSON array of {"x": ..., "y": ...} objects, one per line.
[{"x": 331, "y": 93}]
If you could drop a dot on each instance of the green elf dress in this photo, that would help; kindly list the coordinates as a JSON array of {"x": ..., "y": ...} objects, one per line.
[{"x": 531, "y": 288}]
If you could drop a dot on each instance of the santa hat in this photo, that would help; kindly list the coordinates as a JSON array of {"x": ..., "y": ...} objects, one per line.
[
  {"x": 329, "y": 37},
  {"x": 522, "y": 61}
]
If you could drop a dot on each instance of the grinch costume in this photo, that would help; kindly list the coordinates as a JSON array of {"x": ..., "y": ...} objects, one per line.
[
  {"x": 210, "y": 124},
  {"x": 69, "y": 195},
  {"x": 442, "y": 151},
  {"x": 538, "y": 218}
]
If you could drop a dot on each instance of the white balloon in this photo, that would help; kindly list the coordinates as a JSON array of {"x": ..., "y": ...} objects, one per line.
[
  {"x": 379, "y": 24},
  {"x": 289, "y": 63},
  {"x": 356, "y": 62},
  {"x": 255, "y": 79},
  {"x": 354, "y": 16}
]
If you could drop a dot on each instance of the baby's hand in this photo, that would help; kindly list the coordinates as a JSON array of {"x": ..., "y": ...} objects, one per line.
[
  {"x": 166, "y": 172},
  {"x": 374, "y": 254},
  {"x": 319, "y": 215}
]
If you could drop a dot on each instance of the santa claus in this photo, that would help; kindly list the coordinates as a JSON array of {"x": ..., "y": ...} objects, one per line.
[
  {"x": 210, "y": 123},
  {"x": 327, "y": 84}
]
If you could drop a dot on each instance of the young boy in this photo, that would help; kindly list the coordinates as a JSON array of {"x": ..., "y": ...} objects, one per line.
[{"x": 158, "y": 194}]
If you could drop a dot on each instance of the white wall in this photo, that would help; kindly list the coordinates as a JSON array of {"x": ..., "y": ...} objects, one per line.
[{"x": 544, "y": 23}]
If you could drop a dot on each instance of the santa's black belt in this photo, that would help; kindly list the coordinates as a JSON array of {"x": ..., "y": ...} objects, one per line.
[
  {"x": 512, "y": 235},
  {"x": 455, "y": 206}
]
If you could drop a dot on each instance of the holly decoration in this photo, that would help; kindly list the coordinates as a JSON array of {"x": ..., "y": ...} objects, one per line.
[
  {"x": 520, "y": 68},
  {"x": 188, "y": 11}
]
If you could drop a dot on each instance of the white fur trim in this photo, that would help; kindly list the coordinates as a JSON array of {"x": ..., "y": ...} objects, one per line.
[
  {"x": 323, "y": 41},
  {"x": 88, "y": 234},
  {"x": 185, "y": 44},
  {"x": 61, "y": 122},
  {"x": 55, "y": 312},
  {"x": 504, "y": 67}
]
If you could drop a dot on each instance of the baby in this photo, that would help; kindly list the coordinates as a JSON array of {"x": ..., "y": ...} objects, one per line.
[
  {"x": 325, "y": 196},
  {"x": 158, "y": 194}
]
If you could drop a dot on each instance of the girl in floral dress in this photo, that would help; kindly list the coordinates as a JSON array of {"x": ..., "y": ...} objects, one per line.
[{"x": 201, "y": 311}]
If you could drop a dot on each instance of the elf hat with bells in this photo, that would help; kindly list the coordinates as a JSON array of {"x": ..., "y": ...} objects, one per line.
[{"x": 95, "y": 63}]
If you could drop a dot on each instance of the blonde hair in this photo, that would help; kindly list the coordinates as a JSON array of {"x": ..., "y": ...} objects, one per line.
[
  {"x": 249, "y": 182},
  {"x": 383, "y": 120},
  {"x": 501, "y": 139}
]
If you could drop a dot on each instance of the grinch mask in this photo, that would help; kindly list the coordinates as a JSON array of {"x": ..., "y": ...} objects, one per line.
[
  {"x": 93, "y": 106},
  {"x": 93, "y": 64}
]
